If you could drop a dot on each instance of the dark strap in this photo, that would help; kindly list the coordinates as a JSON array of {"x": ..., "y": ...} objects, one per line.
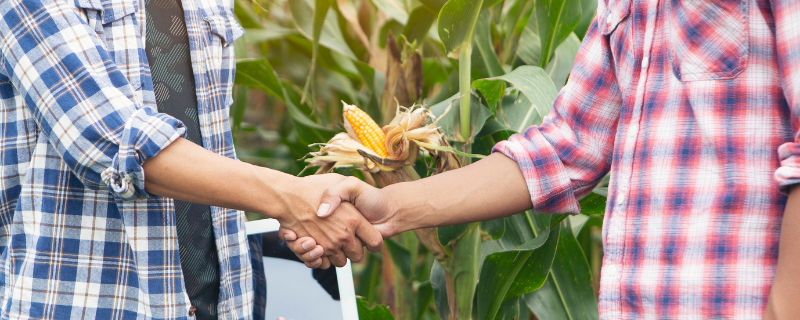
[{"x": 167, "y": 46}]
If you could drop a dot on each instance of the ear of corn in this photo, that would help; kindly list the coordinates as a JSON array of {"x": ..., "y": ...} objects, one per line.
[{"x": 366, "y": 131}]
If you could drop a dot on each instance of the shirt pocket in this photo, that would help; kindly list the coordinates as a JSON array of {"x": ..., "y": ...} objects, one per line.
[
  {"x": 224, "y": 27},
  {"x": 223, "y": 30},
  {"x": 616, "y": 25},
  {"x": 118, "y": 29},
  {"x": 708, "y": 39},
  {"x": 616, "y": 11}
]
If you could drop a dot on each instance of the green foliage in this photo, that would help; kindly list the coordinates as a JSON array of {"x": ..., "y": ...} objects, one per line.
[
  {"x": 375, "y": 313},
  {"x": 300, "y": 58}
]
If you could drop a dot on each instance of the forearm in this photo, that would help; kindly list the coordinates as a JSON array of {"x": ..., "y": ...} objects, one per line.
[
  {"x": 785, "y": 291},
  {"x": 189, "y": 172},
  {"x": 490, "y": 188}
]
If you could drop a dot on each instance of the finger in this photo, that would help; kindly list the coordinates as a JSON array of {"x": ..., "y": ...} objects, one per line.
[
  {"x": 312, "y": 255},
  {"x": 326, "y": 263},
  {"x": 286, "y": 234},
  {"x": 352, "y": 249},
  {"x": 369, "y": 236},
  {"x": 314, "y": 264},
  {"x": 338, "y": 258},
  {"x": 301, "y": 246},
  {"x": 347, "y": 190}
]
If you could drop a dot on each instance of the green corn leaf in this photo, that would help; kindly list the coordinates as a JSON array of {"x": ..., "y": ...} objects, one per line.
[
  {"x": 567, "y": 293},
  {"x": 456, "y": 23},
  {"x": 433, "y": 5},
  {"x": 530, "y": 47},
  {"x": 588, "y": 8},
  {"x": 450, "y": 233},
  {"x": 537, "y": 88},
  {"x": 259, "y": 74},
  {"x": 494, "y": 227},
  {"x": 561, "y": 65},
  {"x": 512, "y": 273},
  {"x": 401, "y": 258},
  {"x": 438, "y": 283},
  {"x": 377, "y": 313},
  {"x": 556, "y": 19},
  {"x": 419, "y": 23},
  {"x": 449, "y": 114},
  {"x": 492, "y": 90},
  {"x": 484, "y": 43},
  {"x": 593, "y": 204},
  {"x": 424, "y": 298},
  {"x": 393, "y": 9},
  {"x": 330, "y": 34}
]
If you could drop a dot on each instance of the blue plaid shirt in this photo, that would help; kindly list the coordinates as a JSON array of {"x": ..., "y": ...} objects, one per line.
[{"x": 79, "y": 236}]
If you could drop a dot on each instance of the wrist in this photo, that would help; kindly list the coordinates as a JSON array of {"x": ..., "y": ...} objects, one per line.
[
  {"x": 277, "y": 191},
  {"x": 397, "y": 215}
]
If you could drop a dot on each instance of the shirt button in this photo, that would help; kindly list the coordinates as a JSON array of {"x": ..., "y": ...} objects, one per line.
[
  {"x": 611, "y": 271},
  {"x": 645, "y": 62},
  {"x": 610, "y": 18},
  {"x": 620, "y": 199}
]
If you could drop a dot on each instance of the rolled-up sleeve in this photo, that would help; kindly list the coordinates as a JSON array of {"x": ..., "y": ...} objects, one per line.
[
  {"x": 786, "y": 15},
  {"x": 565, "y": 157},
  {"x": 81, "y": 101}
]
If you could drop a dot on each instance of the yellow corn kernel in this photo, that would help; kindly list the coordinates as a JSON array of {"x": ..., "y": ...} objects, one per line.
[{"x": 365, "y": 129}]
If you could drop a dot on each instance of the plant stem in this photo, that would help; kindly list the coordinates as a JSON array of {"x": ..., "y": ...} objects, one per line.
[{"x": 464, "y": 84}]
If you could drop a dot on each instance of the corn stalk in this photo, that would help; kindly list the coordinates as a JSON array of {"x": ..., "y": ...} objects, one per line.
[{"x": 370, "y": 53}]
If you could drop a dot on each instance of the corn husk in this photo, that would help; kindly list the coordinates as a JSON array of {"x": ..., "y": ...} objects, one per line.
[{"x": 411, "y": 131}]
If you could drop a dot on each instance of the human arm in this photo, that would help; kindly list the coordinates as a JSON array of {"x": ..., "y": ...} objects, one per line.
[
  {"x": 782, "y": 303},
  {"x": 94, "y": 115},
  {"x": 186, "y": 171},
  {"x": 785, "y": 291},
  {"x": 490, "y": 188},
  {"x": 561, "y": 160}
]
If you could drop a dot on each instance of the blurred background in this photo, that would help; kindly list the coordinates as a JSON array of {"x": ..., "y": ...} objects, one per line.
[{"x": 299, "y": 59}]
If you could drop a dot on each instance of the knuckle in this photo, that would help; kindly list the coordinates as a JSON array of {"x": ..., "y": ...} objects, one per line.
[{"x": 353, "y": 181}]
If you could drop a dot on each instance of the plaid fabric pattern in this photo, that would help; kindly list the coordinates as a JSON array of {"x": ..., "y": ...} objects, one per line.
[
  {"x": 79, "y": 237},
  {"x": 694, "y": 108}
]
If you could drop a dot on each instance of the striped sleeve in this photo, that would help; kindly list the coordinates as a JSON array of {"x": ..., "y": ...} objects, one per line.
[
  {"x": 83, "y": 103},
  {"x": 565, "y": 157}
]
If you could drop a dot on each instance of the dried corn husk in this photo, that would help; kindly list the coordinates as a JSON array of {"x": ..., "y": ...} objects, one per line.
[{"x": 412, "y": 130}]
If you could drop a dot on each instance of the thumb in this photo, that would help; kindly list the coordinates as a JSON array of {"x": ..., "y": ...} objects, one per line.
[
  {"x": 385, "y": 229},
  {"x": 347, "y": 190}
]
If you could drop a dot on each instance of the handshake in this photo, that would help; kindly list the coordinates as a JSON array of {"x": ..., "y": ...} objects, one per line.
[
  {"x": 334, "y": 217},
  {"x": 351, "y": 214}
]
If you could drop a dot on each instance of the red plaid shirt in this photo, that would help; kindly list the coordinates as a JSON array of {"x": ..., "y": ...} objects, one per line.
[{"x": 694, "y": 108}]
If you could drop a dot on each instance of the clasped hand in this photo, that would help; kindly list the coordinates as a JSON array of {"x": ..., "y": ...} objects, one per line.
[{"x": 347, "y": 207}]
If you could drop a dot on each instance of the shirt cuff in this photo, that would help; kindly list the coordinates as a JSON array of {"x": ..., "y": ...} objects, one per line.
[
  {"x": 145, "y": 134},
  {"x": 548, "y": 183},
  {"x": 788, "y": 174}
]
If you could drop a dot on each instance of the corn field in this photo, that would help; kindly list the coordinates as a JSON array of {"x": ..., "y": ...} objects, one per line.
[{"x": 444, "y": 81}]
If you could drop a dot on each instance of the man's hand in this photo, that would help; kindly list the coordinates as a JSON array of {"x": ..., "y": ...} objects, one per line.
[
  {"x": 370, "y": 201},
  {"x": 491, "y": 188},
  {"x": 339, "y": 237}
]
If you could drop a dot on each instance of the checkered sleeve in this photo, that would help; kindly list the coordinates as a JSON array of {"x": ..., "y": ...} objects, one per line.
[
  {"x": 83, "y": 104},
  {"x": 786, "y": 13},
  {"x": 565, "y": 157}
]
